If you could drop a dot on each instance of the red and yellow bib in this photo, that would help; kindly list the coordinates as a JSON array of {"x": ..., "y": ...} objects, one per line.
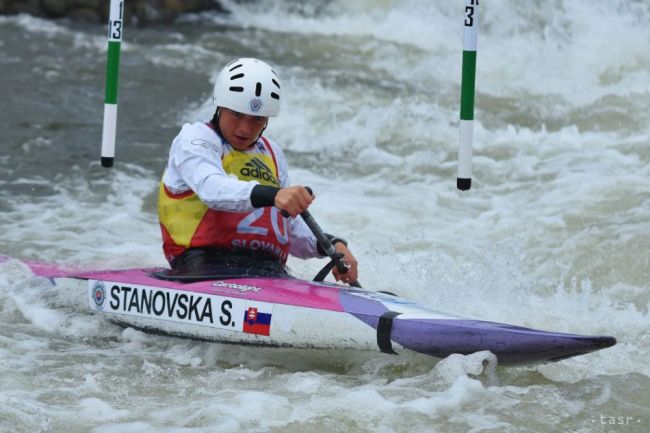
[{"x": 186, "y": 222}]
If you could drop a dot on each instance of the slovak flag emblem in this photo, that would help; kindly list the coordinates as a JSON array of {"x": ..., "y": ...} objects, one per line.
[{"x": 256, "y": 322}]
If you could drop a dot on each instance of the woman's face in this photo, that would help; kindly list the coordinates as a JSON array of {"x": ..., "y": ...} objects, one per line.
[{"x": 240, "y": 130}]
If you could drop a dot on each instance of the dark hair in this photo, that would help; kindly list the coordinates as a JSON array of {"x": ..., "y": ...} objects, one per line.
[{"x": 215, "y": 121}]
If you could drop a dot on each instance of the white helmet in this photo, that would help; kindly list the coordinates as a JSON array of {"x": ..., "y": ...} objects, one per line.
[{"x": 248, "y": 86}]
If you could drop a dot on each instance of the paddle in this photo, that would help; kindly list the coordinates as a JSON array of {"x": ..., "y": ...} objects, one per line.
[{"x": 324, "y": 241}]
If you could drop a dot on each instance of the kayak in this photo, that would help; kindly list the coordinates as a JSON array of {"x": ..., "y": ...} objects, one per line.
[{"x": 284, "y": 311}]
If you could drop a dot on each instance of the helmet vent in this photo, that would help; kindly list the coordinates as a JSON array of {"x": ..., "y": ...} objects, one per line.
[
  {"x": 235, "y": 67},
  {"x": 275, "y": 96},
  {"x": 258, "y": 89},
  {"x": 234, "y": 77},
  {"x": 276, "y": 83},
  {"x": 236, "y": 89}
]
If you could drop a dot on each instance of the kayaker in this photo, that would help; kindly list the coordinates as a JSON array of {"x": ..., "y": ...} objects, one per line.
[{"x": 225, "y": 184}]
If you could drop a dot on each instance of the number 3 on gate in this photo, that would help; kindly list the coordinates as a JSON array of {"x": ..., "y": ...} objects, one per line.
[
  {"x": 115, "y": 22},
  {"x": 246, "y": 224},
  {"x": 469, "y": 14}
]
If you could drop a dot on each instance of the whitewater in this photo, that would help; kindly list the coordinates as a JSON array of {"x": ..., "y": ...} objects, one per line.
[{"x": 554, "y": 234}]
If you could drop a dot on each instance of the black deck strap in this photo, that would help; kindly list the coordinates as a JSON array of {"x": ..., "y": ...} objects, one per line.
[{"x": 384, "y": 330}]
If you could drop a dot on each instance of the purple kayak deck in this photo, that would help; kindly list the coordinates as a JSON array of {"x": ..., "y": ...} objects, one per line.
[{"x": 393, "y": 319}]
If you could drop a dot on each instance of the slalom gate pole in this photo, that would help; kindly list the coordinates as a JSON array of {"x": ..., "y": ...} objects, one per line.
[
  {"x": 115, "y": 28},
  {"x": 467, "y": 88}
]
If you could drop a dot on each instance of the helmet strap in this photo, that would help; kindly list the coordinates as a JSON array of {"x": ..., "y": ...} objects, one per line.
[{"x": 261, "y": 132}]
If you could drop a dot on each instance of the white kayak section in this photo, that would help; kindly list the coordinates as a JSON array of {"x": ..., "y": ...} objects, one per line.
[{"x": 288, "y": 312}]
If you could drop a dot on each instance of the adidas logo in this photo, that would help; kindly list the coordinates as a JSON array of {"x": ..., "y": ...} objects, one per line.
[{"x": 257, "y": 169}]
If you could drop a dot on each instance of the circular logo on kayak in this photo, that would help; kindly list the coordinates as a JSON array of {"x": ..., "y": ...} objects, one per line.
[
  {"x": 256, "y": 105},
  {"x": 99, "y": 294}
]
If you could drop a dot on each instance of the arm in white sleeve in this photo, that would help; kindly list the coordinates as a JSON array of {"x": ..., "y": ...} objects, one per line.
[
  {"x": 195, "y": 163},
  {"x": 303, "y": 243}
]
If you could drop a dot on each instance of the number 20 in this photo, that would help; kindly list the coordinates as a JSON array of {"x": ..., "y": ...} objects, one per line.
[{"x": 246, "y": 225}]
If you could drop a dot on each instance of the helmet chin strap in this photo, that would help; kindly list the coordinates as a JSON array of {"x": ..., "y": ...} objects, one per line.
[
  {"x": 261, "y": 132},
  {"x": 215, "y": 125}
]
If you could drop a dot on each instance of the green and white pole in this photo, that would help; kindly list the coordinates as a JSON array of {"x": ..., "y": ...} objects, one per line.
[
  {"x": 115, "y": 26},
  {"x": 467, "y": 86}
]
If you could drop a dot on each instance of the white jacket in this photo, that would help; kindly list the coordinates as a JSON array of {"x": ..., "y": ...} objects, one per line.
[{"x": 195, "y": 164}]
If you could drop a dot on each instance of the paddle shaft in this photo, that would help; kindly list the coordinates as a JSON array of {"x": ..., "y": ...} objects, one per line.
[{"x": 323, "y": 240}]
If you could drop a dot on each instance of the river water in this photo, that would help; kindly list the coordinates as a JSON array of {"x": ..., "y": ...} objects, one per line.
[{"x": 554, "y": 233}]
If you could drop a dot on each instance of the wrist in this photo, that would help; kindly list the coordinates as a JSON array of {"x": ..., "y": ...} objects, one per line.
[
  {"x": 333, "y": 240},
  {"x": 263, "y": 195}
]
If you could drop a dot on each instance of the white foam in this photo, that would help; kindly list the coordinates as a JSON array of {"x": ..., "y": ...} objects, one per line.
[
  {"x": 455, "y": 366},
  {"x": 47, "y": 28},
  {"x": 95, "y": 409}
]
